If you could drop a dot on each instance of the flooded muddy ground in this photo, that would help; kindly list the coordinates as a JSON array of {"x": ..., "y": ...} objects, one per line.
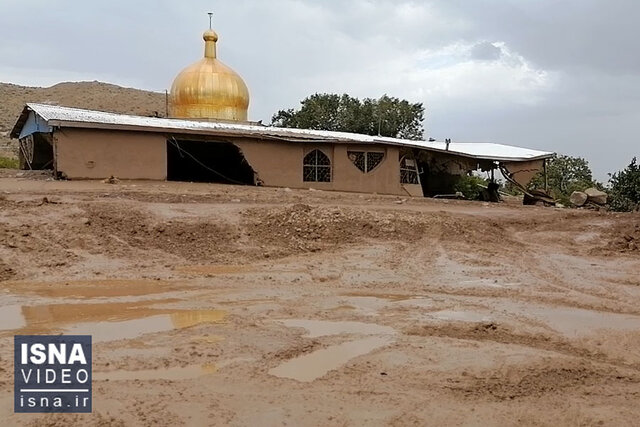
[{"x": 225, "y": 305}]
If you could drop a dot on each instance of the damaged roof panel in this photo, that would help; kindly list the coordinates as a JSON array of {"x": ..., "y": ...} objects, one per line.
[{"x": 75, "y": 117}]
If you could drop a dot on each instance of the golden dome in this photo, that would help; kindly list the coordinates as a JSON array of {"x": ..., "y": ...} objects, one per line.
[{"x": 208, "y": 89}]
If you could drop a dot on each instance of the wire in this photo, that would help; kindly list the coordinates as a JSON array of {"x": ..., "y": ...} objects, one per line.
[{"x": 180, "y": 151}]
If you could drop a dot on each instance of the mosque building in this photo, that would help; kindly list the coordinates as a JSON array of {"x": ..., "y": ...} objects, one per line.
[{"x": 208, "y": 138}]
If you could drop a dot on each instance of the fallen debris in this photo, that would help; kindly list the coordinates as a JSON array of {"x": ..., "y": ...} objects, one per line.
[
  {"x": 578, "y": 198},
  {"x": 111, "y": 180}
]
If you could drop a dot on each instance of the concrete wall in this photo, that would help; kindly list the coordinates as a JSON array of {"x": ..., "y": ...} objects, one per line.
[{"x": 98, "y": 154}]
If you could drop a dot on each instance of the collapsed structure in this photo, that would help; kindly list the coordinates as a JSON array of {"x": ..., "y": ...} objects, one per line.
[{"x": 208, "y": 139}]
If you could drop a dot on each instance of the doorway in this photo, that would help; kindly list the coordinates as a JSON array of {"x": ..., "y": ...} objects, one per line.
[{"x": 207, "y": 161}]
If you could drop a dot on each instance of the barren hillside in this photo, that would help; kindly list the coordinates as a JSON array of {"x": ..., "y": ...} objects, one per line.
[{"x": 92, "y": 95}]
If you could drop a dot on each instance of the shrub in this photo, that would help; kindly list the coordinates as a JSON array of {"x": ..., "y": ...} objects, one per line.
[
  {"x": 624, "y": 189},
  {"x": 9, "y": 163},
  {"x": 470, "y": 186}
]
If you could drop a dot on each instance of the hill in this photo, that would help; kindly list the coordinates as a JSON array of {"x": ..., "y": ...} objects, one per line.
[{"x": 90, "y": 95}]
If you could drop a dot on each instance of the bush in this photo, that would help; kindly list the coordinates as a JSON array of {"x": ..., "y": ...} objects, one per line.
[
  {"x": 9, "y": 163},
  {"x": 470, "y": 186},
  {"x": 624, "y": 189}
]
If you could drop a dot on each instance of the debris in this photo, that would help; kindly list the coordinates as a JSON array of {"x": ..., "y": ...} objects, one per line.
[
  {"x": 111, "y": 180},
  {"x": 578, "y": 198},
  {"x": 46, "y": 201},
  {"x": 538, "y": 197},
  {"x": 596, "y": 196}
]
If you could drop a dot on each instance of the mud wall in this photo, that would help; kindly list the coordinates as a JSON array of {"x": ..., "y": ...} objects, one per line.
[
  {"x": 523, "y": 172},
  {"x": 280, "y": 164},
  {"x": 97, "y": 154}
]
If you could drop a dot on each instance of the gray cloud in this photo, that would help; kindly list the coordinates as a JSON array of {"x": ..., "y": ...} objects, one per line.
[
  {"x": 485, "y": 51},
  {"x": 553, "y": 75}
]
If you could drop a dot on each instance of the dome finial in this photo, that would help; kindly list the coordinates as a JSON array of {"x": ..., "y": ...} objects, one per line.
[{"x": 210, "y": 38}]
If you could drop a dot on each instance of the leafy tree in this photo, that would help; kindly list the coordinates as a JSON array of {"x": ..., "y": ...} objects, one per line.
[
  {"x": 625, "y": 188},
  {"x": 565, "y": 175},
  {"x": 386, "y": 116}
]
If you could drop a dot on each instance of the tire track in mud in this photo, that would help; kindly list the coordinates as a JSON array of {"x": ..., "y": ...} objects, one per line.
[{"x": 493, "y": 332}]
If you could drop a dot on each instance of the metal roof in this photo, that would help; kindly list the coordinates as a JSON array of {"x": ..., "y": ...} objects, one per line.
[{"x": 56, "y": 116}]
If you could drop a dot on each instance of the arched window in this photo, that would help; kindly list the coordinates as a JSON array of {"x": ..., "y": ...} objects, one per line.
[
  {"x": 366, "y": 161},
  {"x": 316, "y": 167}
]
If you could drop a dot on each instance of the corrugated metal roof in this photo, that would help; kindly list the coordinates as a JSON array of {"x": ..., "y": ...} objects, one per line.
[{"x": 75, "y": 117}]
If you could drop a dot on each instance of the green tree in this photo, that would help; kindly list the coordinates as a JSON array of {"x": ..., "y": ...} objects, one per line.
[
  {"x": 386, "y": 116},
  {"x": 565, "y": 175},
  {"x": 624, "y": 188}
]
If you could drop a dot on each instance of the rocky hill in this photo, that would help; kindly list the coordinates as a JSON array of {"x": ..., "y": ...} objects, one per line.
[{"x": 91, "y": 95}]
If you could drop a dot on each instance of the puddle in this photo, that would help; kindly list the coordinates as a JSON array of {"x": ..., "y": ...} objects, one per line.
[
  {"x": 112, "y": 331},
  {"x": 319, "y": 328},
  {"x": 459, "y": 316},
  {"x": 105, "y": 322},
  {"x": 50, "y": 316},
  {"x": 94, "y": 288},
  {"x": 575, "y": 322},
  {"x": 171, "y": 374},
  {"x": 317, "y": 364},
  {"x": 11, "y": 318}
]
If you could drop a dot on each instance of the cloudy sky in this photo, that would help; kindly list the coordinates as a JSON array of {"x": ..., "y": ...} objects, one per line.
[{"x": 559, "y": 75}]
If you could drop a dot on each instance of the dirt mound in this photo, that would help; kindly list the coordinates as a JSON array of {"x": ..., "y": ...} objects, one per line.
[
  {"x": 191, "y": 240},
  {"x": 537, "y": 381},
  {"x": 627, "y": 239},
  {"x": 309, "y": 228}
]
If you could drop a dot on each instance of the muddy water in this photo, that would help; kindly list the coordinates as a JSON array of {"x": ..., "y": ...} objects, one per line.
[
  {"x": 93, "y": 288},
  {"x": 128, "y": 329},
  {"x": 106, "y": 321},
  {"x": 574, "y": 322},
  {"x": 11, "y": 318},
  {"x": 317, "y": 364}
]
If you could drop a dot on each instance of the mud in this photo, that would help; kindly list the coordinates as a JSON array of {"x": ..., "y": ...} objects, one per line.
[{"x": 224, "y": 305}]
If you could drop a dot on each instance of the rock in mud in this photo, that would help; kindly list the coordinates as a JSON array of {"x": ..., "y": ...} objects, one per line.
[
  {"x": 596, "y": 196},
  {"x": 578, "y": 198}
]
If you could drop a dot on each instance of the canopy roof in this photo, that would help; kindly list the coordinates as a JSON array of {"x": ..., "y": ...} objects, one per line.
[{"x": 56, "y": 116}]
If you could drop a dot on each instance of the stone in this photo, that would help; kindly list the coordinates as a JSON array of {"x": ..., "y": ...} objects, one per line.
[
  {"x": 578, "y": 198},
  {"x": 596, "y": 196}
]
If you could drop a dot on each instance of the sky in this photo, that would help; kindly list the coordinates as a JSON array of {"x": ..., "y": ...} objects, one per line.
[{"x": 556, "y": 75}]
